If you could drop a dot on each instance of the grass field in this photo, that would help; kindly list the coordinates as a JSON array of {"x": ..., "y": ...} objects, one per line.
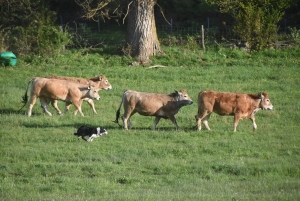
[{"x": 41, "y": 159}]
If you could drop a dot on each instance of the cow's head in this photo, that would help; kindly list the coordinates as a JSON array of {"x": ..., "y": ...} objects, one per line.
[
  {"x": 265, "y": 103},
  {"x": 183, "y": 97},
  {"x": 93, "y": 92},
  {"x": 102, "y": 82}
]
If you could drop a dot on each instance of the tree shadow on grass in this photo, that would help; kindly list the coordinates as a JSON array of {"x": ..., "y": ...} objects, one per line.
[
  {"x": 72, "y": 126},
  {"x": 157, "y": 129},
  {"x": 76, "y": 125},
  {"x": 12, "y": 111}
]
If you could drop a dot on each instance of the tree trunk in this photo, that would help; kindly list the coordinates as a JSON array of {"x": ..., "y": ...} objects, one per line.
[{"x": 142, "y": 40}]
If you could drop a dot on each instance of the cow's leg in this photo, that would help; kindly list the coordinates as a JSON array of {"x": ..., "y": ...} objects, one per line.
[
  {"x": 129, "y": 123},
  {"x": 172, "y": 118},
  {"x": 91, "y": 103},
  {"x": 44, "y": 111},
  {"x": 75, "y": 112},
  {"x": 205, "y": 121},
  {"x": 78, "y": 106},
  {"x": 54, "y": 104},
  {"x": 32, "y": 101},
  {"x": 198, "y": 121},
  {"x": 67, "y": 108},
  {"x": 155, "y": 122},
  {"x": 236, "y": 121},
  {"x": 126, "y": 119},
  {"x": 202, "y": 117},
  {"x": 44, "y": 104},
  {"x": 253, "y": 123}
]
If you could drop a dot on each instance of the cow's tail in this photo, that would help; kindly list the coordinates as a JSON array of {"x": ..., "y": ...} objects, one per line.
[
  {"x": 25, "y": 97},
  {"x": 118, "y": 111}
]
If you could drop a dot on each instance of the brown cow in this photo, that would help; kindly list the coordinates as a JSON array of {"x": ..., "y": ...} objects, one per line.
[
  {"x": 241, "y": 106},
  {"x": 100, "y": 82},
  {"x": 54, "y": 89},
  {"x": 152, "y": 104}
]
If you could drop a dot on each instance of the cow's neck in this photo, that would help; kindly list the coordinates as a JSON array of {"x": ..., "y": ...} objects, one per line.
[
  {"x": 254, "y": 111},
  {"x": 257, "y": 106},
  {"x": 86, "y": 93}
]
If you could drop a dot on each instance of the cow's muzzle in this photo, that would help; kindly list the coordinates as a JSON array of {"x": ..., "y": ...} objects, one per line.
[{"x": 268, "y": 108}]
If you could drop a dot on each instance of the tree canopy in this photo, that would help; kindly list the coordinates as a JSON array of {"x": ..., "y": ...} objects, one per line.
[
  {"x": 256, "y": 20},
  {"x": 32, "y": 25}
]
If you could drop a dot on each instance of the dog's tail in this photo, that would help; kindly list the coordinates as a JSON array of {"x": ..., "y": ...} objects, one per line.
[
  {"x": 118, "y": 111},
  {"x": 25, "y": 97}
]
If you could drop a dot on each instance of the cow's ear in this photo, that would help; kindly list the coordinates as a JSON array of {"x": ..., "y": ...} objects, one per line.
[{"x": 261, "y": 96}]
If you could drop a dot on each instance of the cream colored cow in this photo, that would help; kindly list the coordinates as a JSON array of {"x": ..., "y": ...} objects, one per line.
[
  {"x": 100, "y": 82},
  {"x": 53, "y": 89},
  {"x": 152, "y": 104}
]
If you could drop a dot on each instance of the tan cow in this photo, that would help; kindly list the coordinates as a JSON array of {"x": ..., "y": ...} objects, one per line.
[
  {"x": 54, "y": 89},
  {"x": 239, "y": 105},
  {"x": 152, "y": 104},
  {"x": 100, "y": 82}
]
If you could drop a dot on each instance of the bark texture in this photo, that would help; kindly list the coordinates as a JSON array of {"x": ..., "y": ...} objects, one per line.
[{"x": 142, "y": 40}]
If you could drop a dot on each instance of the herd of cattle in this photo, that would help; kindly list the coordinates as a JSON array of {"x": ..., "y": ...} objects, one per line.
[{"x": 71, "y": 90}]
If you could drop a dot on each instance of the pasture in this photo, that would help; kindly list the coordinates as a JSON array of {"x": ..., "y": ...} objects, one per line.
[{"x": 41, "y": 159}]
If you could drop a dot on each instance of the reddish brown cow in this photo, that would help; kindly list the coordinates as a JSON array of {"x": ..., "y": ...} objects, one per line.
[
  {"x": 99, "y": 82},
  {"x": 54, "y": 89},
  {"x": 152, "y": 104},
  {"x": 241, "y": 106}
]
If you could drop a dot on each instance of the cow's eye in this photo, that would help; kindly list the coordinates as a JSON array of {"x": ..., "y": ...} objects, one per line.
[{"x": 268, "y": 100}]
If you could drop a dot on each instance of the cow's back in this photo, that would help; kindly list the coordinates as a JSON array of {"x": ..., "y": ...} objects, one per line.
[
  {"x": 224, "y": 103},
  {"x": 55, "y": 88},
  {"x": 99, "y": 82},
  {"x": 72, "y": 79},
  {"x": 145, "y": 103}
]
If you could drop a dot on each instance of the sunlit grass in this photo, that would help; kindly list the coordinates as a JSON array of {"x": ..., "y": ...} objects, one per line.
[{"x": 42, "y": 160}]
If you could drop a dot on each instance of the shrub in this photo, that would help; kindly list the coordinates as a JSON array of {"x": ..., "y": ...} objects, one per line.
[
  {"x": 295, "y": 34},
  {"x": 34, "y": 33}
]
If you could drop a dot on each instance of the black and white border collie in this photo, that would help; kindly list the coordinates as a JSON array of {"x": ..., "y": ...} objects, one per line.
[{"x": 92, "y": 132}]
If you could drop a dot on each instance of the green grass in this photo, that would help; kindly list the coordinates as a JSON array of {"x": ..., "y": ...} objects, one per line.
[{"x": 41, "y": 159}]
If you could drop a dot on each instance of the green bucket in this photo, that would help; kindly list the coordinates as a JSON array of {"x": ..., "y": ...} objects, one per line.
[{"x": 8, "y": 58}]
